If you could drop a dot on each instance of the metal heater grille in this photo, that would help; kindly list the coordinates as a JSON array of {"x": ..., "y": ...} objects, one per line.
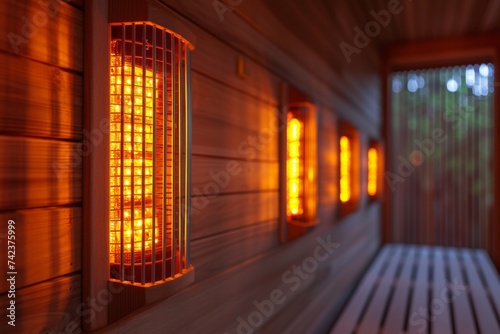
[{"x": 149, "y": 154}]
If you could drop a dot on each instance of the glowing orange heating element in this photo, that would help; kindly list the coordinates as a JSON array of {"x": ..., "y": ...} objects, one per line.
[
  {"x": 295, "y": 166},
  {"x": 372, "y": 172},
  {"x": 131, "y": 203},
  {"x": 345, "y": 169}
]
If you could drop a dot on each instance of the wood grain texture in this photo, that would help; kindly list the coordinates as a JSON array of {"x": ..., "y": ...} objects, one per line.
[
  {"x": 228, "y": 213},
  {"x": 39, "y": 100},
  {"x": 465, "y": 323},
  {"x": 48, "y": 243},
  {"x": 217, "y": 253},
  {"x": 215, "y": 304},
  {"x": 328, "y": 137},
  {"x": 49, "y": 307},
  {"x": 445, "y": 280},
  {"x": 213, "y": 176},
  {"x": 256, "y": 39},
  {"x": 232, "y": 124},
  {"x": 320, "y": 304},
  {"x": 95, "y": 273},
  {"x": 38, "y": 173},
  {"x": 52, "y": 34}
]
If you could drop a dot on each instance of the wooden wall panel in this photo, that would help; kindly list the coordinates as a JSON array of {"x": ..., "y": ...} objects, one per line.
[
  {"x": 328, "y": 138},
  {"x": 214, "y": 139},
  {"x": 50, "y": 307},
  {"x": 307, "y": 71},
  {"x": 39, "y": 100},
  {"x": 313, "y": 308},
  {"x": 38, "y": 173},
  {"x": 216, "y": 59},
  {"x": 48, "y": 243},
  {"x": 227, "y": 213},
  {"x": 228, "y": 123},
  {"x": 226, "y": 103},
  {"x": 53, "y": 35},
  {"x": 232, "y": 176},
  {"x": 215, "y": 254},
  {"x": 41, "y": 111},
  {"x": 214, "y": 305}
]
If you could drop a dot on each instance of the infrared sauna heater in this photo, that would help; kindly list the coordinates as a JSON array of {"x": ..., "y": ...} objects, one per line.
[
  {"x": 149, "y": 153},
  {"x": 141, "y": 192},
  {"x": 374, "y": 167},
  {"x": 301, "y": 165},
  {"x": 349, "y": 168}
]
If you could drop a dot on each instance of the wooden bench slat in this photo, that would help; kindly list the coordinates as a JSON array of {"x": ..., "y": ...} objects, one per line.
[
  {"x": 395, "y": 319},
  {"x": 443, "y": 305},
  {"x": 349, "y": 318},
  {"x": 416, "y": 322},
  {"x": 464, "y": 320},
  {"x": 373, "y": 316},
  {"x": 491, "y": 276},
  {"x": 484, "y": 312},
  {"x": 440, "y": 309}
]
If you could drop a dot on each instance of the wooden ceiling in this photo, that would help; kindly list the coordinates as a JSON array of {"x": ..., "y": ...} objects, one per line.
[{"x": 325, "y": 24}]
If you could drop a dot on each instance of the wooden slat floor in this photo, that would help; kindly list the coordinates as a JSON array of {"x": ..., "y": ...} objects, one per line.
[{"x": 425, "y": 290}]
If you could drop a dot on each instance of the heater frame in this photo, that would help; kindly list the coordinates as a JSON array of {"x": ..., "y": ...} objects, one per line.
[
  {"x": 115, "y": 299},
  {"x": 294, "y": 100}
]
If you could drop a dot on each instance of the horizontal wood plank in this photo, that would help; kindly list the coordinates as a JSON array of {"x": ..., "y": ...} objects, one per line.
[
  {"x": 47, "y": 31},
  {"x": 215, "y": 254},
  {"x": 39, "y": 100},
  {"x": 39, "y": 173},
  {"x": 215, "y": 100},
  {"x": 48, "y": 243},
  {"x": 50, "y": 307},
  {"x": 211, "y": 176},
  {"x": 232, "y": 124},
  {"x": 322, "y": 86},
  {"x": 211, "y": 137},
  {"x": 241, "y": 284},
  {"x": 323, "y": 300},
  {"x": 231, "y": 212}
]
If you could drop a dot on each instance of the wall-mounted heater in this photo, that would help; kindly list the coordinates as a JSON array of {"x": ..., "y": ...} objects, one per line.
[{"x": 300, "y": 170}]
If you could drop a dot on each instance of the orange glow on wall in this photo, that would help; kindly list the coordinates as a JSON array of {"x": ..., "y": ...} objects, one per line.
[
  {"x": 295, "y": 166},
  {"x": 345, "y": 169},
  {"x": 372, "y": 171}
]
